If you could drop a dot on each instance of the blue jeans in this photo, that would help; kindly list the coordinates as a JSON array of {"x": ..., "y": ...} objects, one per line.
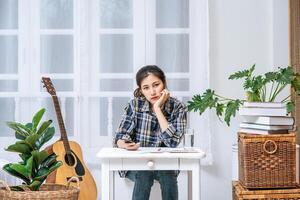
[{"x": 143, "y": 181}]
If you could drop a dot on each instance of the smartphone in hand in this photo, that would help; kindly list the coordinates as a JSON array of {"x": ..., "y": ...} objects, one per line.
[{"x": 131, "y": 146}]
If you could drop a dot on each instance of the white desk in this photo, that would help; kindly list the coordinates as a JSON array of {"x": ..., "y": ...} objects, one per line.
[{"x": 113, "y": 159}]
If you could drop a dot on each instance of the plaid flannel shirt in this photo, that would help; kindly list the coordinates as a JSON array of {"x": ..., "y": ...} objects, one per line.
[{"x": 140, "y": 124}]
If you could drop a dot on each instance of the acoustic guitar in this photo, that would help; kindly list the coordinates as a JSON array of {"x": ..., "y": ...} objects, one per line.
[{"x": 69, "y": 152}]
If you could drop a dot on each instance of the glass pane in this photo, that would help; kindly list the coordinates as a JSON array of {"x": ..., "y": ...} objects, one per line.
[
  {"x": 68, "y": 120},
  {"x": 103, "y": 116},
  {"x": 178, "y": 84},
  {"x": 8, "y": 86},
  {"x": 8, "y": 14},
  {"x": 7, "y": 114},
  {"x": 116, "y": 53},
  {"x": 118, "y": 106},
  {"x": 116, "y": 85},
  {"x": 119, "y": 103},
  {"x": 60, "y": 85},
  {"x": 56, "y": 54},
  {"x": 47, "y": 103},
  {"x": 172, "y": 13},
  {"x": 172, "y": 52},
  {"x": 116, "y": 14},
  {"x": 186, "y": 99},
  {"x": 56, "y": 14},
  {"x": 8, "y": 54}
]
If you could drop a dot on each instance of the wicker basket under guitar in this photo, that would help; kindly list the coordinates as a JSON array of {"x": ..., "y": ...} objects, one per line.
[
  {"x": 267, "y": 161},
  {"x": 46, "y": 192}
]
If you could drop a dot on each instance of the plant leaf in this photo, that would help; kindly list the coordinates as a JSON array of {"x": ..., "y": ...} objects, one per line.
[
  {"x": 29, "y": 125},
  {"x": 39, "y": 157},
  {"x": 242, "y": 74},
  {"x": 201, "y": 103},
  {"x": 35, "y": 185},
  {"x": 219, "y": 109},
  {"x": 13, "y": 172},
  {"x": 24, "y": 157},
  {"x": 290, "y": 106},
  {"x": 251, "y": 70},
  {"x": 44, "y": 126},
  {"x": 19, "y": 136},
  {"x": 49, "y": 161},
  {"x": 21, "y": 169},
  {"x": 54, "y": 166},
  {"x": 231, "y": 108},
  {"x": 285, "y": 75},
  {"x": 258, "y": 83},
  {"x": 45, "y": 137},
  {"x": 296, "y": 85},
  {"x": 20, "y": 147},
  {"x": 270, "y": 76},
  {"x": 21, "y": 131},
  {"x": 37, "y": 118},
  {"x": 43, "y": 172},
  {"x": 31, "y": 140},
  {"x": 29, "y": 166},
  {"x": 17, "y": 188},
  {"x": 247, "y": 84},
  {"x": 18, "y": 126}
]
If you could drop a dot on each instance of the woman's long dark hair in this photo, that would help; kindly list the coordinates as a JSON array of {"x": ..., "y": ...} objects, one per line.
[{"x": 145, "y": 72}]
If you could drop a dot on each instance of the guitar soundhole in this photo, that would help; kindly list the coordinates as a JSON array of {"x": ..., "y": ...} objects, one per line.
[{"x": 69, "y": 159}]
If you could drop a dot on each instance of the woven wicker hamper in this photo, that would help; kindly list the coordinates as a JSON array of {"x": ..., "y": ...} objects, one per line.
[
  {"x": 241, "y": 193},
  {"x": 46, "y": 192},
  {"x": 267, "y": 161}
]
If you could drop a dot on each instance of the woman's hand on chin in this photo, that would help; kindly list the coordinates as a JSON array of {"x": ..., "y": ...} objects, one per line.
[{"x": 165, "y": 94}]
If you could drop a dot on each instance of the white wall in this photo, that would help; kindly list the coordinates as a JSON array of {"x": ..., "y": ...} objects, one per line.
[{"x": 241, "y": 33}]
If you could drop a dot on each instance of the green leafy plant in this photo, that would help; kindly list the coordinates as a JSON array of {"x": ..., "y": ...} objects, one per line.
[
  {"x": 260, "y": 88},
  {"x": 36, "y": 164}
]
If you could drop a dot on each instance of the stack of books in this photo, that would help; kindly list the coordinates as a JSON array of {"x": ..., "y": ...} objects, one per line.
[{"x": 265, "y": 118}]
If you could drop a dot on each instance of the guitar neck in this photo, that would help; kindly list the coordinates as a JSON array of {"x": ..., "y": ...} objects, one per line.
[{"x": 61, "y": 124}]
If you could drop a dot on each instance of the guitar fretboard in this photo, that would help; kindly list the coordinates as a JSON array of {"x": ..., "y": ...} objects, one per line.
[{"x": 61, "y": 124}]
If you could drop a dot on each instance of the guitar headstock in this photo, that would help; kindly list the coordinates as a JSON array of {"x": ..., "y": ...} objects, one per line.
[{"x": 48, "y": 84}]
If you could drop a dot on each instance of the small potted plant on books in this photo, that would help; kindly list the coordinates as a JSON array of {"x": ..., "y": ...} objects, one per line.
[
  {"x": 261, "y": 104},
  {"x": 35, "y": 165}
]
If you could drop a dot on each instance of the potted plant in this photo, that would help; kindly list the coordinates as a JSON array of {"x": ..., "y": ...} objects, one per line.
[
  {"x": 36, "y": 163},
  {"x": 260, "y": 88}
]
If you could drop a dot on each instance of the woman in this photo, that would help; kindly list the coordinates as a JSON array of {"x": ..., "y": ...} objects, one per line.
[{"x": 152, "y": 119}]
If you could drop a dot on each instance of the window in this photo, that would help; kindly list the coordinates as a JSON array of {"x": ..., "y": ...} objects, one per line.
[
  {"x": 9, "y": 61},
  {"x": 92, "y": 50}
]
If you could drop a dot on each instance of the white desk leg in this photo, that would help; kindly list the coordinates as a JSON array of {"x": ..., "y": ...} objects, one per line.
[
  {"x": 190, "y": 184},
  {"x": 196, "y": 181},
  {"x": 105, "y": 180}
]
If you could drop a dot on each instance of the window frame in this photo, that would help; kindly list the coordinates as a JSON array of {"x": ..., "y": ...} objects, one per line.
[{"x": 86, "y": 34}]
